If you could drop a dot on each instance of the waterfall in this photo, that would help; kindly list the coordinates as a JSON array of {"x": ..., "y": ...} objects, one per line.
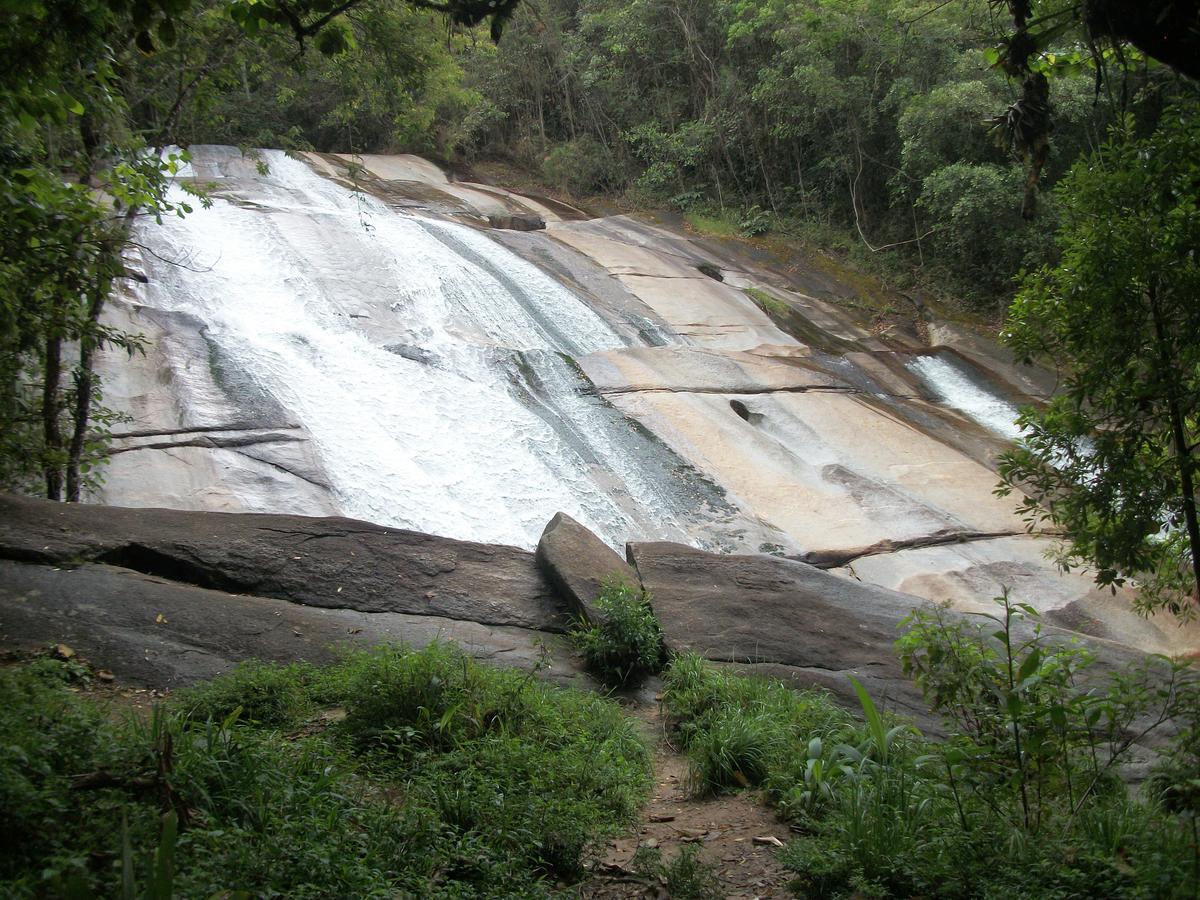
[
  {"x": 953, "y": 385},
  {"x": 429, "y": 364}
]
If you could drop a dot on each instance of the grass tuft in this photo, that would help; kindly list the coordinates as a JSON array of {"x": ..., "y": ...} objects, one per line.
[{"x": 627, "y": 645}]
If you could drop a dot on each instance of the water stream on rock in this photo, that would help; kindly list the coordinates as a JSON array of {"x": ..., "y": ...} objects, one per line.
[
  {"x": 430, "y": 365},
  {"x": 955, "y": 387}
]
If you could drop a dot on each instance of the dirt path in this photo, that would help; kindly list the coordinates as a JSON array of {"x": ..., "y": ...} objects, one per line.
[{"x": 738, "y": 834}]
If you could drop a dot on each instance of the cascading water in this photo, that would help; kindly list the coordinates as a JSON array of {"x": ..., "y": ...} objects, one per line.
[
  {"x": 954, "y": 387},
  {"x": 429, "y": 364}
]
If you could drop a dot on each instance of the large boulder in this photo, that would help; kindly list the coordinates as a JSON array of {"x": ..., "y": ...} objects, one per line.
[
  {"x": 780, "y": 617},
  {"x": 323, "y": 562},
  {"x": 162, "y": 634},
  {"x": 577, "y": 563},
  {"x": 785, "y": 618}
]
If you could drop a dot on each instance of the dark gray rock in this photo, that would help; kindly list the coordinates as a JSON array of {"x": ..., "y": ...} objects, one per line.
[
  {"x": 517, "y": 222},
  {"x": 577, "y": 562},
  {"x": 787, "y": 619},
  {"x": 160, "y": 634},
  {"x": 323, "y": 562},
  {"x": 782, "y": 618}
]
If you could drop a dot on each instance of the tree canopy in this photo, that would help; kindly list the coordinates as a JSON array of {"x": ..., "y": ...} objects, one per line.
[{"x": 1112, "y": 460}]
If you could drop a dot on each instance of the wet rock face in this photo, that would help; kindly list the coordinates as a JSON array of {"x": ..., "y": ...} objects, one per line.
[{"x": 411, "y": 355}]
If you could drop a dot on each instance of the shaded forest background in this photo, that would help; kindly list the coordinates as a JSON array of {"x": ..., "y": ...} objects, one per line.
[{"x": 858, "y": 125}]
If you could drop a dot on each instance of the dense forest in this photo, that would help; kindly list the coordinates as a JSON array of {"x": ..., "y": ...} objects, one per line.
[{"x": 881, "y": 127}]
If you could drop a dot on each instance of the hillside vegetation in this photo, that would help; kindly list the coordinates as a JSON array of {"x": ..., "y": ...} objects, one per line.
[{"x": 421, "y": 773}]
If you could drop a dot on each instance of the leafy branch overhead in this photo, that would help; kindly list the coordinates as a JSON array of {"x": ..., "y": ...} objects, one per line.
[
  {"x": 1164, "y": 30},
  {"x": 306, "y": 18}
]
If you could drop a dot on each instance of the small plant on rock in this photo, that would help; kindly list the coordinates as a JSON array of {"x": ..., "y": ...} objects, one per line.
[{"x": 626, "y": 644}]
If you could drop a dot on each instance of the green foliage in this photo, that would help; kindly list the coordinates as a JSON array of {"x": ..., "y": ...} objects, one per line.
[
  {"x": 627, "y": 643},
  {"x": 754, "y": 221},
  {"x": 769, "y": 304},
  {"x": 1022, "y": 798},
  {"x": 980, "y": 234},
  {"x": 385, "y": 79},
  {"x": 1111, "y": 461},
  {"x": 582, "y": 167},
  {"x": 738, "y": 731},
  {"x": 395, "y": 799},
  {"x": 822, "y": 119},
  {"x": 684, "y": 877},
  {"x": 715, "y": 225},
  {"x": 263, "y": 695},
  {"x": 1031, "y": 731}
]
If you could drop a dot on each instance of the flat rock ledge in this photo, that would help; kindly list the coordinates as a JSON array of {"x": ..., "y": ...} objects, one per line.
[
  {"x": 165, "y": 597},
  {"x": 333, "y": 563}
]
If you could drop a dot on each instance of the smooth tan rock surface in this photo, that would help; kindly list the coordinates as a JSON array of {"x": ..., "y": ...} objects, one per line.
[
  {"x": 698, "y": 308},
  {"x": 812, "y": 428},
  {"x": 828, "y": 469},
  {"x": 969, "y": 575},
  {"x": 696, "y": 370}
]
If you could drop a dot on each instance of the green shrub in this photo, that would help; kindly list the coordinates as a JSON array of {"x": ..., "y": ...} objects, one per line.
[
  {"x": 627, "y": 644},
  {"x": 265, "y": 694},
  {"x": 737, "y": 749},
  {"x": 1021, "y": 800},
  {"x": 504, "y": 781},
  {"x": 754, "y": 221},
  {"x": 739, "y": 731},
  {"x": 583, "y": 167}
]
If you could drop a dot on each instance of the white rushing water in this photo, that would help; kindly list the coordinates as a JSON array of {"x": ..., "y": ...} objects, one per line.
[
  {"x": 422, "y": 357},
  {"x": 954, "y": 387}
]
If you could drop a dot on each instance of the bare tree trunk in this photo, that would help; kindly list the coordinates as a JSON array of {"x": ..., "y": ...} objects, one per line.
[
  {"x": 84, "y": 384},
  {"x": 1183, "y": 454},
  {"x": 51, "y": 429}
]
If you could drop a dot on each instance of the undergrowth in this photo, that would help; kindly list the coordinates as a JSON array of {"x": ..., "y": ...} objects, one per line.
[
  {"x": 626, "y": 644},
  {"x": 1022, "y": 800},
  {"x": 393, "y": 773},
  {"x": 684, "y": 876}
]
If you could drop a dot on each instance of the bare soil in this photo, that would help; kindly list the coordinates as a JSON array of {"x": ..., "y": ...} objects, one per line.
[{"x": 738, "y": 833}]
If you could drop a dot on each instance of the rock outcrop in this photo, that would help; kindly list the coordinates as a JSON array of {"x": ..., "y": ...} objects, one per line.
[
  {"x": 790, "y": 620},
  {"x": 332, "y": 563},
  {"x": 151, "y": 631},
  {"x": 166, "y": 598},
  {"x": 781, "y": 617},
  {"x": 577, "y": 563},
  {"x": 657, "y": 384},
  {"x": 517, "y": 221}
]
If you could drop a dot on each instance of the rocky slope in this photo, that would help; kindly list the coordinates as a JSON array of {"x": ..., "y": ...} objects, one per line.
[
  {"x": 393, "y": 355},
  {"x": 165, "y": 597}
]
